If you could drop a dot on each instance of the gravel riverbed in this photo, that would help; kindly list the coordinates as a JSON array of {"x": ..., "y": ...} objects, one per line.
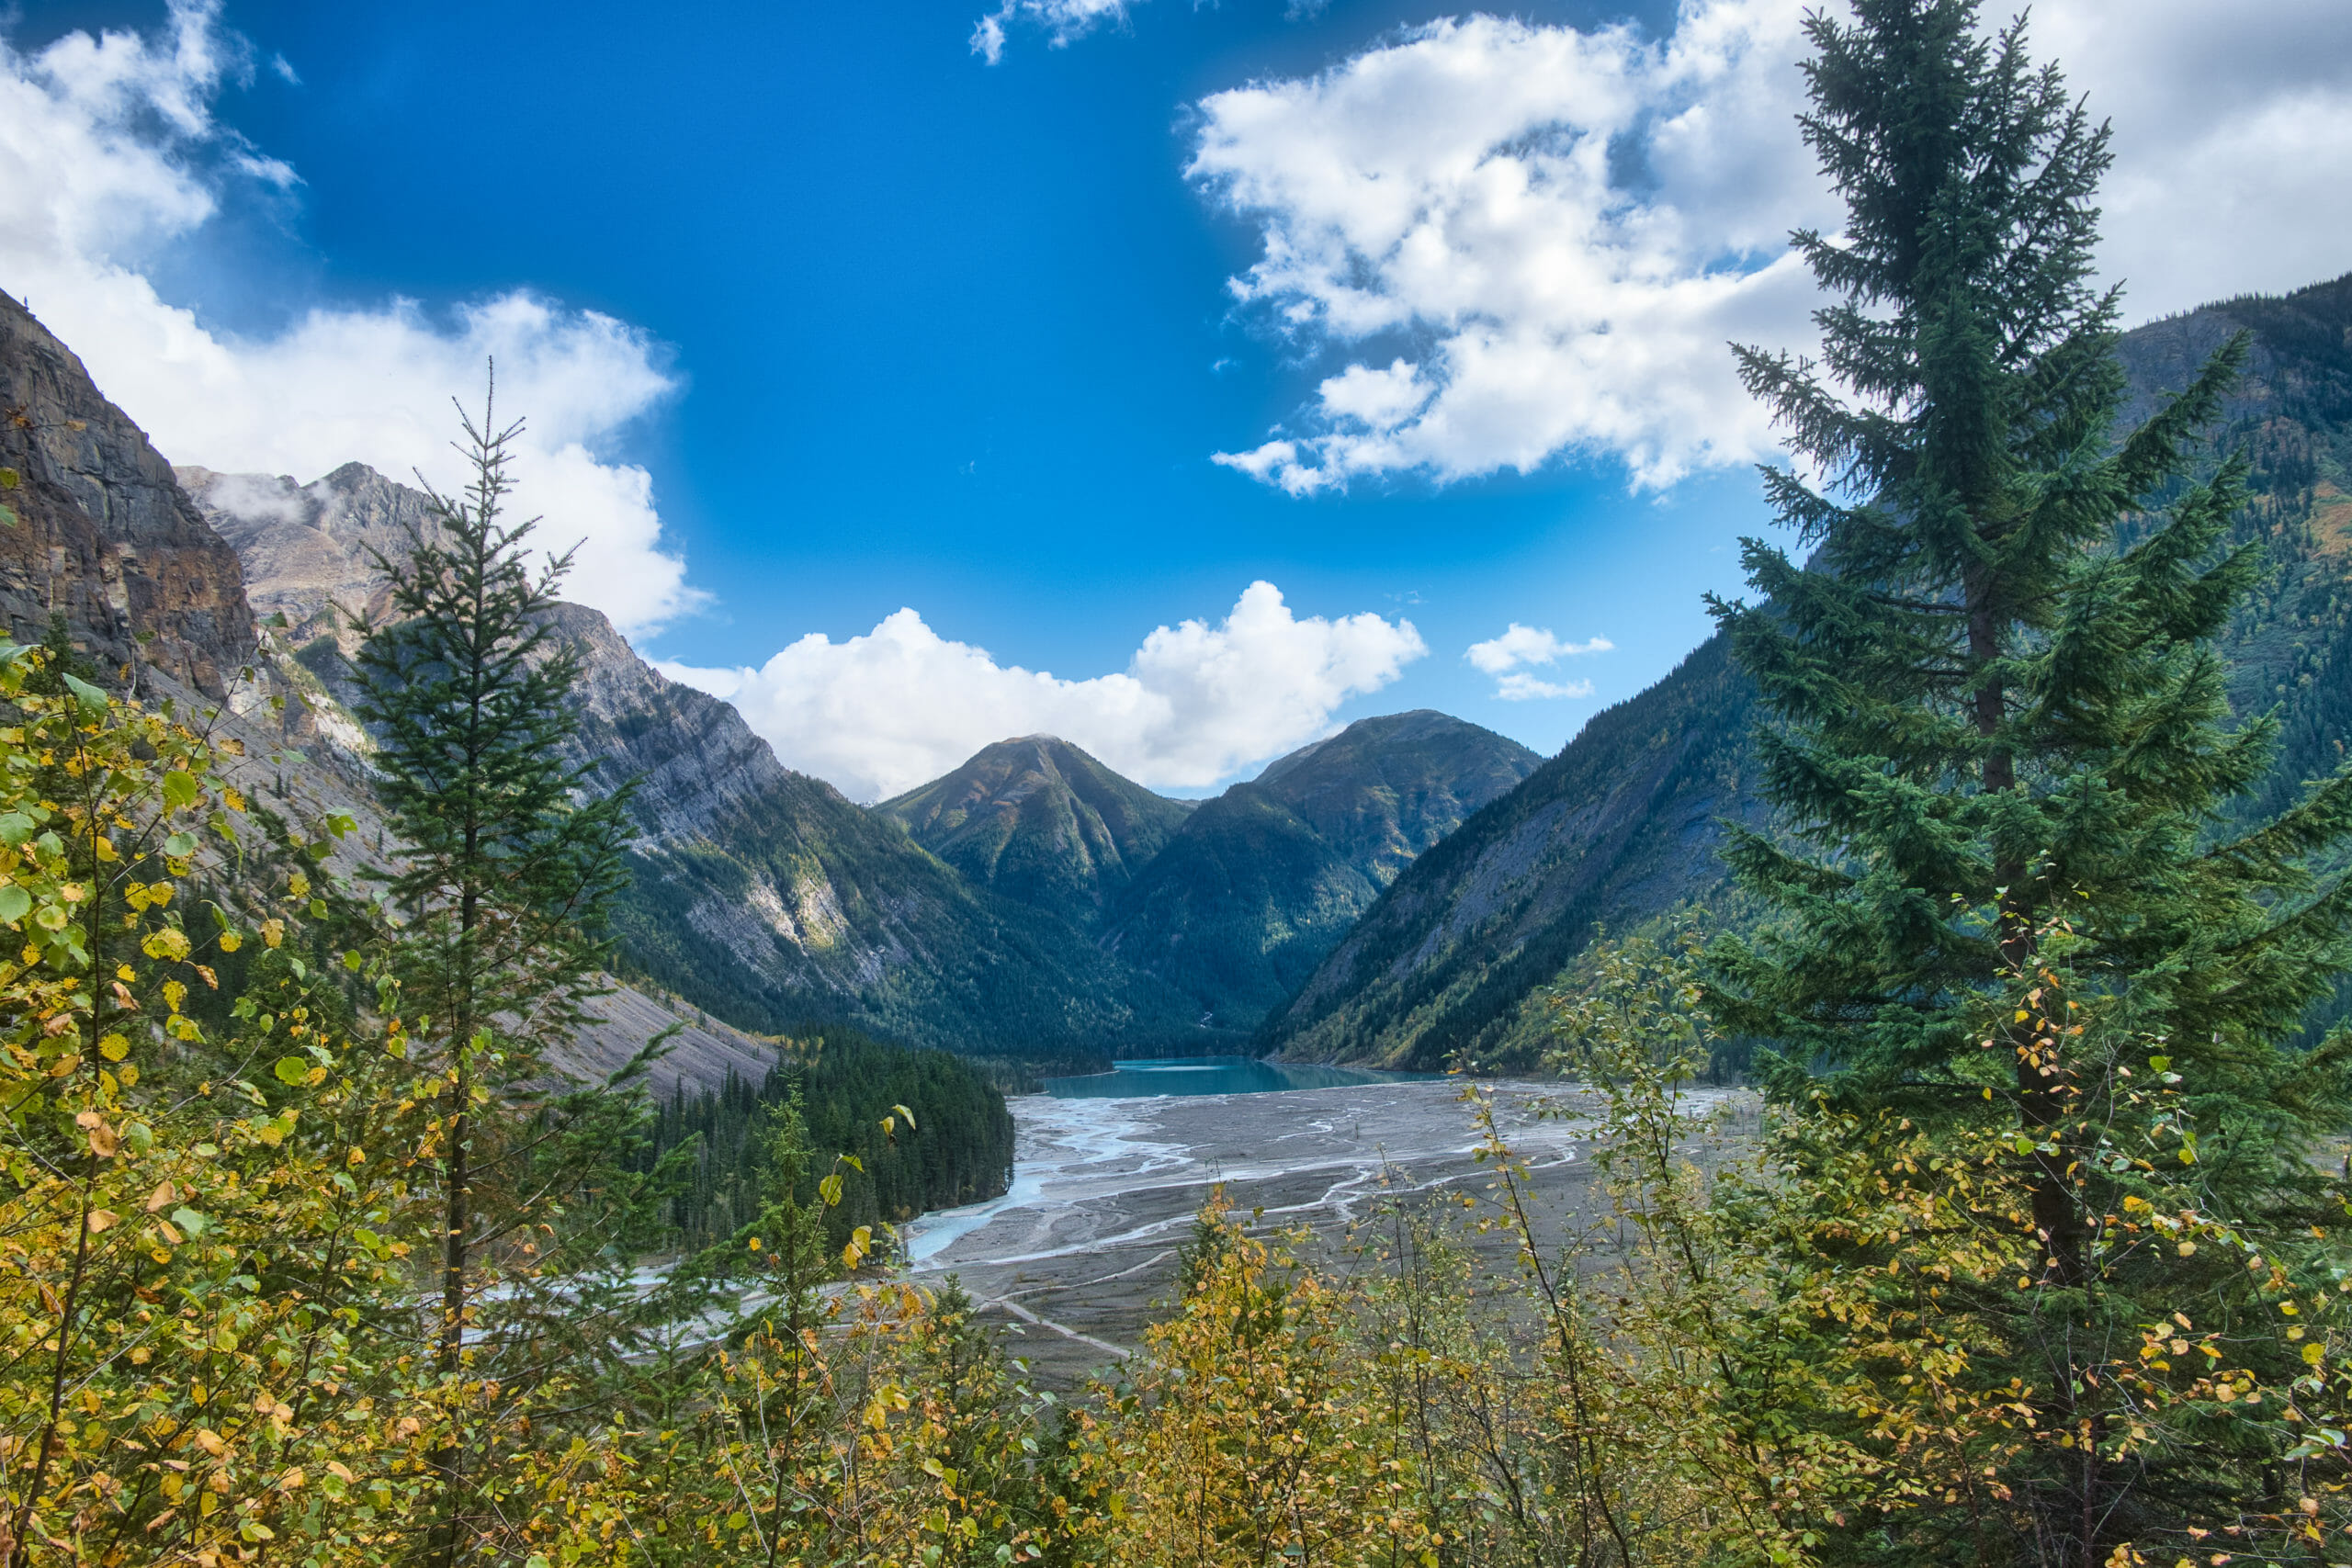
[{"x": 1076, "y": 1255}]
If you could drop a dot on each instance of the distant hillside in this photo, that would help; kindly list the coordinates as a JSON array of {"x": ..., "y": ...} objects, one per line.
[
  {"x": 1458, "y": 954},
  {"x": 1256, "y": 886},
  {"x": 762, "y": 896},
  {"x": 1620, "y": 825},
  {"x": 1040, "y": 821}
]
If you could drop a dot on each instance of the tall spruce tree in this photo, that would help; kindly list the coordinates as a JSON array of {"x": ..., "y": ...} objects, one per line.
[
  {"x": 505, "y": 870},
  {"x": 2000, "y": 749}
]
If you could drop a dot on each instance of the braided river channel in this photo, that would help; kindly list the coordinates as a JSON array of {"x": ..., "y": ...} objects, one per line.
[{"x": 1109, "y": 1171}]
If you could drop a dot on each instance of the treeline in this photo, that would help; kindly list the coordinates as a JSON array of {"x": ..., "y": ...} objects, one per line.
[{"x": 958, "y": 1149}]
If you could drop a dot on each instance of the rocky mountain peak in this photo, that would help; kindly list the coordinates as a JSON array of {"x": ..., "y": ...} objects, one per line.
[{"x": 307, "y": 550}]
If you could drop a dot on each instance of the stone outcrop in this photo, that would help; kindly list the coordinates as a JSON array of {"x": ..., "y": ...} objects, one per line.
[
  {"x": 104, "y": 534},
  {"x": 308, "y": 551}
]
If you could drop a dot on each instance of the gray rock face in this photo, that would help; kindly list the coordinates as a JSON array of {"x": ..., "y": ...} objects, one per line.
[
  {"x": 104, "y": 534},
  {"x": 308, "y": 551},
  {"x": 694, "y": 759}
]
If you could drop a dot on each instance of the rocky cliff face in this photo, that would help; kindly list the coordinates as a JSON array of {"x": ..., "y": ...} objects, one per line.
[
  {"x": 104, "y": 534},
  {"x": 307, "y": 552},
  {"x": 1041, "y": 821}
]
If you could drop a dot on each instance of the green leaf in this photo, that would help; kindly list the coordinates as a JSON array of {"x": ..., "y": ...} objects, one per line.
[
  {"x": 10, "y": 479},
  {"x": 190, "y": 1221},
  {"x": 7, "y": 517},
  {"x": 293, "y": 1070},
  {"x": 179, "y": 846},
  {"x": 14, "y": 903},
  {"x": 92, "y": 699},
  {"x": 179, "y": 790},
  {"x": 2160, "y": 1064},
  {"x": 15, "y": 828}
]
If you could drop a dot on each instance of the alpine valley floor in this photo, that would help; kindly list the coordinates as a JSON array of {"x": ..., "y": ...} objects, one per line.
[{"x": 1076, "y": 1255}]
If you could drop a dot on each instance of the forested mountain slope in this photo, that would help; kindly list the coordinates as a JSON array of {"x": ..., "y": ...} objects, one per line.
[
  {"x": 1621, "y": 826},
  {"x": 762, "y": 896},
  {"x": 1259, "y": 884},
  {"x": 1041, "y": 821}
]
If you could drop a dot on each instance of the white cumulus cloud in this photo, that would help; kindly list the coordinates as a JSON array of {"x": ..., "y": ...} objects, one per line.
[
  {"x": 1507, "y": 659},
  {"x": 879, "y": 713},
  {"x": 1549, "y": 234},
  {"x": 112, "y": 157}
]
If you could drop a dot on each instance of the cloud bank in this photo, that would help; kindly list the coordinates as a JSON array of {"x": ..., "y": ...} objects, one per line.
[
  {"x": 112, "y": 158},
  {"x": 1507, "y": 659},
  {"x": 879, "y": 713},
  {"x": 1529, "y": 241}
]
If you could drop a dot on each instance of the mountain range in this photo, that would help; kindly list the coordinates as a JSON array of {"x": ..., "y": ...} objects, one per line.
[
  {"x": 1032, "y": 904},
  {"x": 1403, "y": 892}
]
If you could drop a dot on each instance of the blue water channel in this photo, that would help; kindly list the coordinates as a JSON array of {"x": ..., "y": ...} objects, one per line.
[{"x": 1214, "y": 1075}]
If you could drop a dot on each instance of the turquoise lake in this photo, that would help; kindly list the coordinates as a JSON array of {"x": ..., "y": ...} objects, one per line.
[{"x": 1214, "y": 1075}]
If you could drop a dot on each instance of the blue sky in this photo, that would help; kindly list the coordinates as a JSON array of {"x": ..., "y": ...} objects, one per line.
[{"x": 890, "y": 325}]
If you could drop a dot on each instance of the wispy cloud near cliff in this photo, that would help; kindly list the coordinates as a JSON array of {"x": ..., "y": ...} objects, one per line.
[
  {"x": 114, "y": 162},
  {"x": 879, "y": 713}
]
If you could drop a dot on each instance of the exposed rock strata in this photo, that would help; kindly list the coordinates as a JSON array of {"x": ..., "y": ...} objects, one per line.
[{"x": 104, "y": 534}]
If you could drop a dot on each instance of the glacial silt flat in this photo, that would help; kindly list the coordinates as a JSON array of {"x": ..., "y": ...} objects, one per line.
[{"x": 1079, "y": 1250}]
